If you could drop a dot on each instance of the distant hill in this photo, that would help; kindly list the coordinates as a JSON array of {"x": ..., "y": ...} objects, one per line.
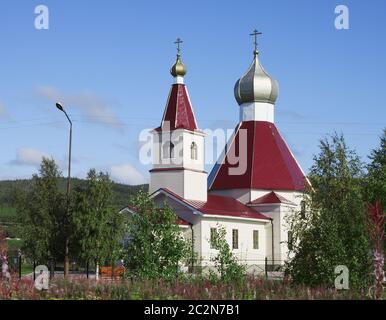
[
  {"x": 9, "y": 218},
  {"x": 121, "y": 192}
]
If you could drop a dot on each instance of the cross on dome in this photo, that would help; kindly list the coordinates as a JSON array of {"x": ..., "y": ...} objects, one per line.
[
  {"x": 178, "y": 42},
  {"x": 255, "y": 33}
]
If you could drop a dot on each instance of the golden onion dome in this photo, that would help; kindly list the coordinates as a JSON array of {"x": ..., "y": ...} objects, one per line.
[{"x": 178, "y": 69}]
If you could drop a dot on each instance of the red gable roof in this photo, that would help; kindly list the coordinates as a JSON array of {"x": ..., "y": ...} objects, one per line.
[
  {"x": 269, "y": 164},
  {"x": 219, "y": 205},
  {"x": 179, "y": 112},
  {"x": 271, "y": 198}
]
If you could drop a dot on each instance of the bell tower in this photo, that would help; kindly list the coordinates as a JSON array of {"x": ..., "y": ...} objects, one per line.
[{"x": 178, "y": 144}]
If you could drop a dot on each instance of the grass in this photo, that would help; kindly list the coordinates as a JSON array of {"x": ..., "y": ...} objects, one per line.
[
  {"x": 26, "y": 269},
  {"x": 191, "y": 289},
  {"x": 8, "y": 214},
  {"x": 14, "y": 244}
]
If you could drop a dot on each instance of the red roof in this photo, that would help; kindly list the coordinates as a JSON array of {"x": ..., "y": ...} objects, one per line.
[
  {"x": 271, "y": 198},
  {"x": 268, "y": 162},
  {"x": 219, "y": 205},
  {"x": 179, "y": 112}
]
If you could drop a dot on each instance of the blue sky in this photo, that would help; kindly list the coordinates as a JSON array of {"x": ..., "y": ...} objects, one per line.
[{"x": 109, "y": 61}]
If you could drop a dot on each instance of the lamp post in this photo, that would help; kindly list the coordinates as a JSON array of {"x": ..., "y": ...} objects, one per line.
[{"x": 66, "y": 244}]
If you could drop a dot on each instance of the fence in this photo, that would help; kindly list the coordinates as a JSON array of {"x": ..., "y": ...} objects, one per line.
[
  {"x": 260, "y": 267},
  {"x": 20, "y": 266},
  {"x": 15, "y": 262}
]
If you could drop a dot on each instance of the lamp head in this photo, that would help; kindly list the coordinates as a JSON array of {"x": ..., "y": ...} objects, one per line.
[{"x": 59, "y": 106}]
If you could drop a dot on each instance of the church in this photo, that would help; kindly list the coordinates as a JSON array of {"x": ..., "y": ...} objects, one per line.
[{"x": 251, "y": 188}]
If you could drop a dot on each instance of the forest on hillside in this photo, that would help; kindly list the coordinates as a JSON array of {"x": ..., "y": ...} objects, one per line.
[{"x": 8, "y": 214}]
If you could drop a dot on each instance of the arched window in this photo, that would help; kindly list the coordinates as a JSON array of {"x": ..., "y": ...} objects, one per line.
[
  {"x": 171, "y": 150},
  {"x": 168, "y": 150},
  {"x": 193, "y": 151}
]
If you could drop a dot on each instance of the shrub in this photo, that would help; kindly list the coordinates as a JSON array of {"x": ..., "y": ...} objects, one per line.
[{"x": 226, "y": 264}]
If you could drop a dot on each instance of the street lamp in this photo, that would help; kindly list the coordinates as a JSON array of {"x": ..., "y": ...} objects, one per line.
[{"x": 66, "y": 248}]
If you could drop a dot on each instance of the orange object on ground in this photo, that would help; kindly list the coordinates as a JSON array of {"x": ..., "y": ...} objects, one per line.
[{"x": 108, "y": 271}]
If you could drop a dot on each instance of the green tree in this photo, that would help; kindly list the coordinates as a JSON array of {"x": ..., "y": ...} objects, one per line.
[
  {"x": 375, "y": 189},
  {"x": 226, "y": 264},
  {"x": 41, "y": 213},
  {"x": 4, "y": 270},
  {"x": 332, "y": 232},
  {"x": 156, "y": 247},
  {"x": 98, "y": 227}
]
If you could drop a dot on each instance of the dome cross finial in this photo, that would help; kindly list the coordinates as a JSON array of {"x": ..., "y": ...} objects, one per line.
[
  {"x": 178, "y": 42},
  {"x": 178, "y": 70},
  {"x": 255, "y": 33}
]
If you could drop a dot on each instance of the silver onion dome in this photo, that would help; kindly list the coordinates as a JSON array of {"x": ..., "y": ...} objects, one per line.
[{"x": 256, "y": 85}]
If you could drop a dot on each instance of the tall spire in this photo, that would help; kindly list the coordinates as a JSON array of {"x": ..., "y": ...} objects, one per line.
[
  {"x": 179, "y": 111},
  {"x": 178, "y": 70}
]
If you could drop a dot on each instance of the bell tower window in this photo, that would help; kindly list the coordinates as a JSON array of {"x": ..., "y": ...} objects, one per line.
[
  {"x": 193, "y": 151},
  {"x": 168, "y": 150}
]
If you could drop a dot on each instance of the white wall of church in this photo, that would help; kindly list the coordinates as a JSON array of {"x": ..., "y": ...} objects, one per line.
[
  {"x": 274, "y": 213},
  {"x": 242, "y": 195},
  {"x": 198, "y": 139},
  {"x": 278, "y": 213},
  {"x": 195, "y": 185},
  {"x": 257, "y": 111},
  {"x": 182, "y": 154},
  {"x": 172, "y": 180},
  {"x": 191, "y": 185},
  {"x": 245, "y": 252},
  {"x": 188, "y": 180}
]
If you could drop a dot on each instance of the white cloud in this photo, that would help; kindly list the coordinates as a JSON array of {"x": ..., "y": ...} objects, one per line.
[
  {"x": 92, "y": 106},
  {"x": 29, "y": 157},
  {"x": 290, "y": 114},
  {"x": 127, "y": 174},
  {"x": 3, "y": 111}
]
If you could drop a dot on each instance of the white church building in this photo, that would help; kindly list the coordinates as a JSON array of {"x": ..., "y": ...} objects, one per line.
[{"x": 252, "y": 187}]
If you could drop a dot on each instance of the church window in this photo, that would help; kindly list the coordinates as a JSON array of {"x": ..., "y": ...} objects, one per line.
[
  {"x": 171, "y": 150},
  {"x": 168, "y": 150},
  {"x": 193, "y": 151},
  {"x": 235, "y": 239},
  {"x": 255, "y": 239}
]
